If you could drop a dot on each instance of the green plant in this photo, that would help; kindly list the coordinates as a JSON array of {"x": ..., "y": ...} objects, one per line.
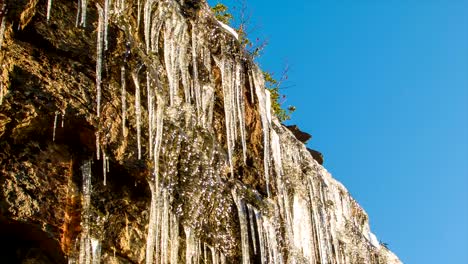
[
  {"x": 273, "y": 85},
  {"x": 221, "y": 13}
]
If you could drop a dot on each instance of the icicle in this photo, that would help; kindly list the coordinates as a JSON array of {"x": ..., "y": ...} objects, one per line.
[
  {"x": 85, "y": 243},
  {"x": 104, "y": 166},
  {"x": 96, "y": 250},
  {"x": 196, "y": 81},
  {"x": 2, "y": 26},
  {"x": 207, "y": 105},
  {"x": 302, "y": 227},
  {"x": 268, "y": 239},
  {"x": 188, "y": 247},
  {"x": 174, "y": 232},
  {"x": 49, "y": 7},
  {"x": 268, "y": 105},
  {"x": 168, "y": 61},
  {"x": 243, "y": 227},
  {"x": 261, "y": 236},
  {"x": 176, "y": 60},
  {"x": 55, "y": 126},
  {"x": 100, "y": 31},
  {"x": 272, "y": 243},
  {"x": 78, "y": 12},
  {"x": 165, "y": 228},
  {"x": 82, "y": 254},
  {"x": 63, "y": 119},
  {"x": 151, "y": 237},
  {"x": 276, "y": 152},
  {"x": 155, "y": 30},
  {"x": 150, "y": 108},
  {"x": 226, "y": 75},
  {"x": 1, "y": 94},
  {"x": 138, "y": 13},
  {"x": 240, "y": 108},
  {"x": 107, "y": 164},
  {"x": 137, "y": 110},
  {"x": 123, "y": 95},
  {"x": 158, "y": 137},
  {"x": 147, "y": 23},
  {"x": 84, "y": 6},
  {"x": 205, "y": 253},
  {"x": 251, "y": 85},
  {"x": 252, "y": 228},
  {"x": 214, "y": 256},
  {"x": 183, "y": 60},
  {"x": 265, "y": 117},
  {"x": 106, "y": 23}
]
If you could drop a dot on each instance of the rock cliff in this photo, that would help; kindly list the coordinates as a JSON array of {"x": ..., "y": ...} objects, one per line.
[{"x": 140, "y": 132}]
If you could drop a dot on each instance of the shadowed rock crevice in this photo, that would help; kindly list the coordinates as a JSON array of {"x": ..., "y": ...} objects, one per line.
[{"x": 25, "y": 243}]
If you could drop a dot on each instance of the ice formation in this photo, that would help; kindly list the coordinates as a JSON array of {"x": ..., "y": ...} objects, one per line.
[
  {"x": 89, "y": 246},
  {"x": 104, "y": 168},
  {"x": 2, "y": 30},
  {"x": 49, "y": 8},
  {"x": 229, "y": 29},
  {"x": 82, "y": 10},
  {"x": 1, "y": 94},
  {"x": 302, "y": 216},
  {"x": 99, "y": 57},
  {"x": 105, "y": 24},
  {"x": 136, "y": 81},
  {"x": 123, "y": 94},
  {"x": 55, "y": 126}
]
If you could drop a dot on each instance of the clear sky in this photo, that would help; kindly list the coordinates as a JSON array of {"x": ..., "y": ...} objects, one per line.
[{"x": 382, "y": 86}]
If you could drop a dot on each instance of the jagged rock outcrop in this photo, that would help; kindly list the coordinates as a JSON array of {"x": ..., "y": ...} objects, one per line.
[{"x": 140, "y": 131}]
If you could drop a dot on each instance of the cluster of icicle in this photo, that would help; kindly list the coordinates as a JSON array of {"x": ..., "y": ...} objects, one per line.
[
  {"x": 89, "y": 246},
  {"x": 321, "y": 223},
  {"x": 309, "y": 222}
]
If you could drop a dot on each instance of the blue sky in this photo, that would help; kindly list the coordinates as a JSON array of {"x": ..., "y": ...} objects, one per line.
[{"x": 382, "y": 86}]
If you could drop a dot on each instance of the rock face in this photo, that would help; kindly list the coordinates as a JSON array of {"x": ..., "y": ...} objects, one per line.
[{"x": 140, "y": 132}]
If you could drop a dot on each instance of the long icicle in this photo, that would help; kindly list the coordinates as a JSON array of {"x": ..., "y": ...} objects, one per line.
[
  {"x": 243, "y": 226},
  {"x": 55, "y": 126},
  {"x": 137, "y": 110},
  {"x": 1, "y": 94},
  {"x": 99, "y": 49},
  {"x": 78, "y": 14},
  {"x": 147, "y": 23},
  {"x": 259, "y": 83},
  {"x": 123, "y": 99},
  {"x": 84, "y": 6},
  {"x": 196, "y": 81},
  {"x": 239, "y": 97},
  {"x": 2, "y": 26},
  {"x": 151, "y": 237},
  {"x": 106, "y": 22},
  {"x": 138, "y": 13},
  {"x": 85, "y": 247},
  {"x": 104, "y": 167},
  {"x": 150, "y": 108},
  {"x": 158, "y": 137}
]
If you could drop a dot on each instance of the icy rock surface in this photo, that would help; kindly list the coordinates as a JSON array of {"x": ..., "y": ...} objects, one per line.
[{"x": 170, "y": 152}]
